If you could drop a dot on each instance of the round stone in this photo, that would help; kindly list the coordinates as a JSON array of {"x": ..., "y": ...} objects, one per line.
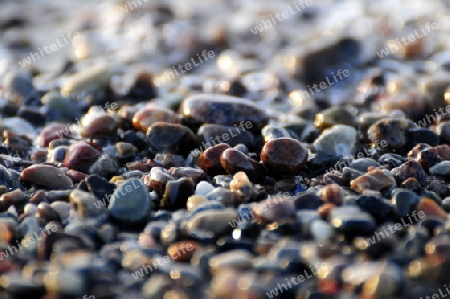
[{"x": 284, "y": 156}]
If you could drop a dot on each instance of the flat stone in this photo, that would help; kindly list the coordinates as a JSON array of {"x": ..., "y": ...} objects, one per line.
[
  {"x": 223, "y": 110},
  {"x": 46, "y": 176}
]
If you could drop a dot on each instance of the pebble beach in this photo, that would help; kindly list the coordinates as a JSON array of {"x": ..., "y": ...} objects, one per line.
[{"x": 242, "y": 149}]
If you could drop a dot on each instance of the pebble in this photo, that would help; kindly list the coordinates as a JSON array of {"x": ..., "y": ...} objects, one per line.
[
  {"x": 431, "y": 208},
  {"x": 85, "y": 204},
  {"x": 157, "y": 179},
  {"x": 441, "y": 169},
  {"x": 390, "y": 130},
  {"x": 212, "y": 223},
  {"x": 272, "y": 132},
  {"x": 274, "y": 209},
  {"x": 195, "y": 174},
  {"x": 194, "y": 202},
  {"x": 351, "y": 222},
  {"x": 93, "y": 77},
  {"x": 80, "y": 156},
  {"x": 172, "y": 138},
  {"x": 203, "y": 188},
  {"x": 130, "y": 203},
  {"x": 231, "y": 135},
  {"x": 52, "y": 132},
  {"x": 102, "y": 126},
  {"x": 410, "y": 169},
  {"x": 46, "y": 176},
  {"x": 338, "y": 141},
  {"x": 145, "y": 117},
  {"x": 283, "y": 156},
  {"x": 363, "y": 164},
  {"x": 235, "y": 259},
  {"x": 177, "y": 193},
  {"x": 234, "y": 161},
  {"x": 378, "y": 208},
  {"x": 183, "y": 251},
  {"x": 242, "y": 187},
  {"x": 223, "y": 110},
  {"x": 209, "y": 160},
  {"x": 333, "y": 193},
  {"x": 378, "y": 180},
  {"x": 335, "y": 116},
  {"x": 405, "y": 201}
]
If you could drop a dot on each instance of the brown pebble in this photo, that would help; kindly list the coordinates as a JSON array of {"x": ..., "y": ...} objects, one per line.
[
  {"x": 101, "y": 126},
  {"x": 38, "y": 197},
  {"x": 443, "y": 151},
  {"x": 76, "y": 176},
  {"x": 242, "y": 187},
  {"x": 137, "y": 166},
  {"x": 333, "y": 194},
  {"x": 234, "y": 161},
  {"x": 411, "y": 184},
  {"x": 325, "y": 210},
  {"x": 431, "y": 208},
  {"x": 375, "y": 180},
  {"x": 195, "y": 174},
  {"x": 80, "y": 156},
  {"x": 182, "y": 251},
  {"x": 157, "y": 179},
  {"x": 284, "y": 156},
  {"x": 209, "y": 160},
  {"x": 52, "y": 132},
  {"x": 145, "y": 117},
  {"x": 46, "y": 176},
  {"x": 274, "y": 209}
]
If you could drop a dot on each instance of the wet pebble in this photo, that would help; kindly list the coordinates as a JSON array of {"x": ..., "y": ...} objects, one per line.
[
  {"x": 145, "y": 117},
  {"x": 158, "y": 178},
  {"x": 283, "y": 156},
  {"x": 173, "y": 138},
  {"x": 177, "y": 193},
  {"x": 80, "y": 156},
  {"x": 209, "y": 160},
  {"x": 234, "y": 161},
  {"x": 379, "y": 180},
  {"x": 410, "y": 169},
  {"x": 46, "y": 176}
]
